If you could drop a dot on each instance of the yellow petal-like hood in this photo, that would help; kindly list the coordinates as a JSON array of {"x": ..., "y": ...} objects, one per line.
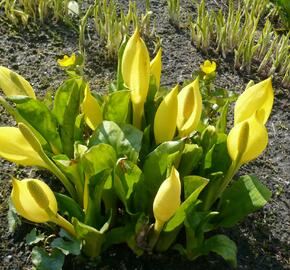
[
  {"x": 165, "y": 117},
  {"x": 156, "y": 66},
  {"x": 189, "y": 108},
  {"x": 12, "y": 84},
  {"x": 167, "y": 199},
  {"x": 91, "y": 109},
  {"x": 15, "y": 148},
  {"x": 34, "y": 200},
  {"x": 257, "y": 97},
  {"x": 136, "y": 74},
  {"x": 252, "y": 138}
]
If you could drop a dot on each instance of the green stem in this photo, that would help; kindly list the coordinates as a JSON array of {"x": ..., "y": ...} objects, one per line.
[
  {"x": 156, "y": 232},
  {"x": 62, "y": 222},
  {"x": 215, "y": 194}
]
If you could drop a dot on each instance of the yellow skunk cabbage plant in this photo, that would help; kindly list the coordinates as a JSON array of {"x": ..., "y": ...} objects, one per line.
[{"x": 141, "y": 164}]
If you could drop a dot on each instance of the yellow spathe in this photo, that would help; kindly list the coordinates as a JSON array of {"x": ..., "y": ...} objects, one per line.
[
  {"x": 165, "y": 117},
  {"x": 189, "y": 108},
  {"x": 136, "y": 74},
  {"x": 15, "y": 148},
  {"x": 156, "y": 67},
  {"x": 34, "y": 200},
  {"x": 91, "y": 109},
  {"x": 12, "y": 84},
  {"x": 167, "y": 199},
  {"x": 247, "y": 140},
  {"x": 259, "y": 96}
]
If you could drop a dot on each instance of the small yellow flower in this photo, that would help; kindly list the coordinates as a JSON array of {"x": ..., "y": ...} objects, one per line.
[
  {"x": 208, "y": 66},
  {"x": 67, "y": 61},
  {"x": 167, "y": 199}
]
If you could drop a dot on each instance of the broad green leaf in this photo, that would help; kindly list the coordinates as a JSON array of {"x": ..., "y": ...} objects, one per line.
[
  {"x": 73, "y": 170},
  {"x": 218, "y": 159},
  {"x": 221, "y": 125},
  {"x": 240, "y": 199},
  {"x": 67, "y": 206},
  {"x": 120, "y": 81},
  {"x": 13, "y": 218},
  {"x": 96, "y": 184},
  {"x": 18, "y": 118},
  {"x": 117, "y": 106},
  {"x": 66, "y": 109},
  {"x": 41, "y": 119},
  {"x": 119, "y": 235},
  {"x": 190, "y": 158},
  {"x": 98, "y": 158},
  {"x": 93, "y": 238},
  {"x": 193, "y": 185},
  {"x": 223, "y": 246},
  {"x": 125, "y": 139},
  {"x": 126, "y": 177},
  {"x": 157, "y": 162},
  {"x": 79, "y": 128},
  {"x": 67, "y": 244},
  {"x": 34, "y": 237},
  {"x": 44, "y": 261}
]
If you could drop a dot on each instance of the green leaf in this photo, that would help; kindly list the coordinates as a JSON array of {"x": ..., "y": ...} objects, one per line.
[
  {"x": 44, "y": 261},
  {"x": 68, "y": 206},
  {"x": 157, "y": 162},
  {"x": 190, "y": 158},
  {"x": 13, "y": 219},
  {"x": 93, "y": 238},
  {"x": 66, "y": 109},
  {"x": 125, "y": 139},
  {"x": 240, "y": 199},
  {"x": 67, "y": 244},
  {"x": 73, "y": 170},
  {"x": 193, "y": 185},
  {"x": 117, "y": 106},
  {"x": 119, "y": 235},
  {"x": 120, "y": 81},
  {"x": 96, "y": 184},
  {"x": 41, "y": 119},
  {"x": 221, "y": 124},
  {"x": 98, "y": 158},
  {"x": 126, "y": 176},
  {"x": 218, "y": 159},
  {"x": 34, "y": 237},
  {"x": 223, "y": 246}
]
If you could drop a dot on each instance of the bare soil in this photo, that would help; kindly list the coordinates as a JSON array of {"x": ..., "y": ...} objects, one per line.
[{"x": 262, "y": 238}]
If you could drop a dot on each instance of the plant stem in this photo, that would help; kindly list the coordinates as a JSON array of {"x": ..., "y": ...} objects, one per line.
[{"x": 62, "y": 222}]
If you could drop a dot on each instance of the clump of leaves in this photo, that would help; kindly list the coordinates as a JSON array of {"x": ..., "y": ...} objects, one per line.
[{"x": 141, "y": 164}]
